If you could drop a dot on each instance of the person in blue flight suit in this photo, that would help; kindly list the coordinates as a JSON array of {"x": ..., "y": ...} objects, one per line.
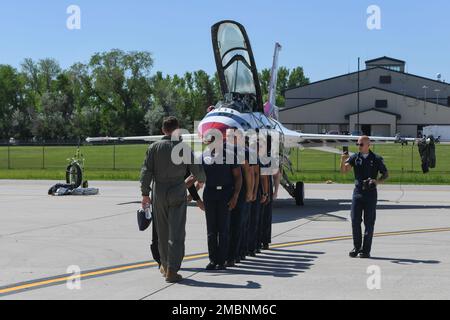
[
  {"x": 260, "y": 196},
  {"x": 367, "y": 166},
  {"x": 268, "y": 175},
  {"x": 239, "y": 216},
  {"x": 221, "y": 195},
  {"x": 251, "y": 158},
  {"x": 265, "y": 233}
]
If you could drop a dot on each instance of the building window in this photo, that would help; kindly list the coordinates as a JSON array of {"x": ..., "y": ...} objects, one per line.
[
  {"x": 381, "y": 104},
  {"x": 385, "y": 79},
  {"x": 393, "y": 68},
  {"x": 448, "y": 101}
]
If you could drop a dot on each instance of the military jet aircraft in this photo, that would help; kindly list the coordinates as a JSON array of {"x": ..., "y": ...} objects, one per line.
[{"x": 242, "y": 105}]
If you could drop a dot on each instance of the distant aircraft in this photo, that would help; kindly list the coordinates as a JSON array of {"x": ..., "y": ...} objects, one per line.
[{"x": 243, "y": 108}]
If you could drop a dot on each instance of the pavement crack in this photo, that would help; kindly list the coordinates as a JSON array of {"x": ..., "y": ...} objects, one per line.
[
  {"x": 313, "y": 219},
  {"x": 63, "y": 224},
  {"x": 299, "y": 226},
  {"x": 168, "y": 286}
]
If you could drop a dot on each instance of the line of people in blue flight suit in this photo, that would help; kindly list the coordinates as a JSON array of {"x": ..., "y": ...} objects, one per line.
[{"x": 238, "y": 202}]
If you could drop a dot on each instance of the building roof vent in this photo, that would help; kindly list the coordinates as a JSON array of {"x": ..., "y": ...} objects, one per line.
[{"x": 388, "y": 63}]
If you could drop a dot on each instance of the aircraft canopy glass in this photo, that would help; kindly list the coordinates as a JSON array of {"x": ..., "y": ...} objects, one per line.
[{"x": 235, "y": 59}]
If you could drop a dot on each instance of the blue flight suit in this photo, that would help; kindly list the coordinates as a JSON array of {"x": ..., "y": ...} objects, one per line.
[
  {"x": 265, "y": 232},
  {"x": 364, "y": 202},
  {"x": 219, "y": 190},
  {"x": 254, "y": 220},
  {"x": 239, "y": 215}
]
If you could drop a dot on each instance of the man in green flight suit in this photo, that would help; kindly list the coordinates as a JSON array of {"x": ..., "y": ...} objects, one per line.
[{"x": 164, "y": 176}]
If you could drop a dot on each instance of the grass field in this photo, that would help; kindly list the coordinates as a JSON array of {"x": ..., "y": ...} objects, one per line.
[{"x": 122, "y": 162}]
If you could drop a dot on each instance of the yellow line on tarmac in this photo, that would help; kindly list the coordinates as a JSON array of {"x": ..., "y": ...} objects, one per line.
[
  {"x": 60, "y": 280},
  {"x": 341, "y": 238}
]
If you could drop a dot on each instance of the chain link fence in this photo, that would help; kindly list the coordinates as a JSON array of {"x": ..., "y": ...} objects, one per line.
[
  {"x": 122, "y": 156},
  {"x": 398, "y": 158},
  {"x": 56, "y": 155}
]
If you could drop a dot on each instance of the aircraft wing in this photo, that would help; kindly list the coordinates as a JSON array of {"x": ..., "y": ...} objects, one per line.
[
  {"x": 189, "y": 138},
  {"x": 328, "y": 149},
  {"x": 326, "y": 142}
]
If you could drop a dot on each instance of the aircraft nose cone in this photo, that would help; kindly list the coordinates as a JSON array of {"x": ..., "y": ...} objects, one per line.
[{"x": 205, "y": 128}]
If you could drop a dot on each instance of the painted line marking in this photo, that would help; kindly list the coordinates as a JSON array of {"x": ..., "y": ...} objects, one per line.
[{"x": 58, "y": 280}]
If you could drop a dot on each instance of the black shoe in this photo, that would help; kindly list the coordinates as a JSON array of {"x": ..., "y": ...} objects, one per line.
[
  {"x": 230, "y": 264},
  {"x": 265, "y": 247},
  {"x": 252, "y": 254},
  {"x": 238, "y": 260},
  {"x": 221, "y": 267},
  {"x": 258, "y": 250},
  {"x": 211, "y": 266},
  {"x": 243, "y": 258},
  {"x": 364, "y": 255},
  {"x": 354, "y": 253}
]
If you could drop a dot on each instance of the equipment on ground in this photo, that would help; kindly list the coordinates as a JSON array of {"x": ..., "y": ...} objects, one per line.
[
  {"x": 74, "y": 186},
  {"x": 74, "y": 171}
]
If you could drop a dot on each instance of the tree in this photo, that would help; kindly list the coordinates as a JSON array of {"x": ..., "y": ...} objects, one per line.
[
  {"x": 52, "y": 122},
  {"x": 40, "y": 77},
  {"x": 286, "y": 79},
  {"x": 12, "y": 104},
  {"x": 114, "y": 94},
  {"x": 201, "y": 94},
  {"x": 49, "y": 71},
  {"x": 48, "y": 99},
  {"x": 297, "y": 78},
  {"x": 166, "y": 101},
  {"x": 264, "y": 80},
  {"x": 119, "y": 83}
]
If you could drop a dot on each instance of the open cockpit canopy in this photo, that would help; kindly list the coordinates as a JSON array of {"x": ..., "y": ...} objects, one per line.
[{"x": 236, "y": 66}]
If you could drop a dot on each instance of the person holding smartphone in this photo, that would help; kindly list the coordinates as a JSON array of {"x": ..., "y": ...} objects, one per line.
[{"x": 367, "y": 167}]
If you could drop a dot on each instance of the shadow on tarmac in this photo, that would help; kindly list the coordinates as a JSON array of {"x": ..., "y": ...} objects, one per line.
[
  {"x": 203, "y": 284},
  {"x": 406, "y": 261},
  {"x": 273, "y": 263},
  {"x": 285, "y": 210}
]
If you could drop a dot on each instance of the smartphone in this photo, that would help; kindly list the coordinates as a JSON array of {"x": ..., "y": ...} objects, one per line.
[{"x": 345, "y": 150}]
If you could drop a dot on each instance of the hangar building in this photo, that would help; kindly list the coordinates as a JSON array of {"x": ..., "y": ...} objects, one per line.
[{"x": 391, "y": 101}]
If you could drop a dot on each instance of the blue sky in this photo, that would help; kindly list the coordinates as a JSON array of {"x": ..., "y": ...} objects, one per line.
[{"x": 323, "y": 36}]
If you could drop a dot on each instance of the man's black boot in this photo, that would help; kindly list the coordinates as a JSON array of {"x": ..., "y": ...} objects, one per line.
[
  {"x": 354, "y": 253},
  {"x": 364, "y": 255},
  {"x": 211, "y": 266}
]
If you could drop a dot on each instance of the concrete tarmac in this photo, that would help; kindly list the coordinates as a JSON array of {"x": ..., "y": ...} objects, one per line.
[{"x": 44, "y": 239}]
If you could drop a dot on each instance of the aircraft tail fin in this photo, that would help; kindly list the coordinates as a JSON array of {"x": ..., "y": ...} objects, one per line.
[{"x": 270, "y": 107}]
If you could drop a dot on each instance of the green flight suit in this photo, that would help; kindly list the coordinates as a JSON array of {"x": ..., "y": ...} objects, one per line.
[{"x": 166, "y": 181}]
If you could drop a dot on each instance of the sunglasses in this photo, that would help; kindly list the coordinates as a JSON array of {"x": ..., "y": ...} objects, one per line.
[{"x": 360, "y": 144}]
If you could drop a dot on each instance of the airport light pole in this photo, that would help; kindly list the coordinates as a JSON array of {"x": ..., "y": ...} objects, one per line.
[
  {"x": 437, "y": 96},
  {"x": 358, "y": 121},
  {"x": 425, "y": 100}
]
